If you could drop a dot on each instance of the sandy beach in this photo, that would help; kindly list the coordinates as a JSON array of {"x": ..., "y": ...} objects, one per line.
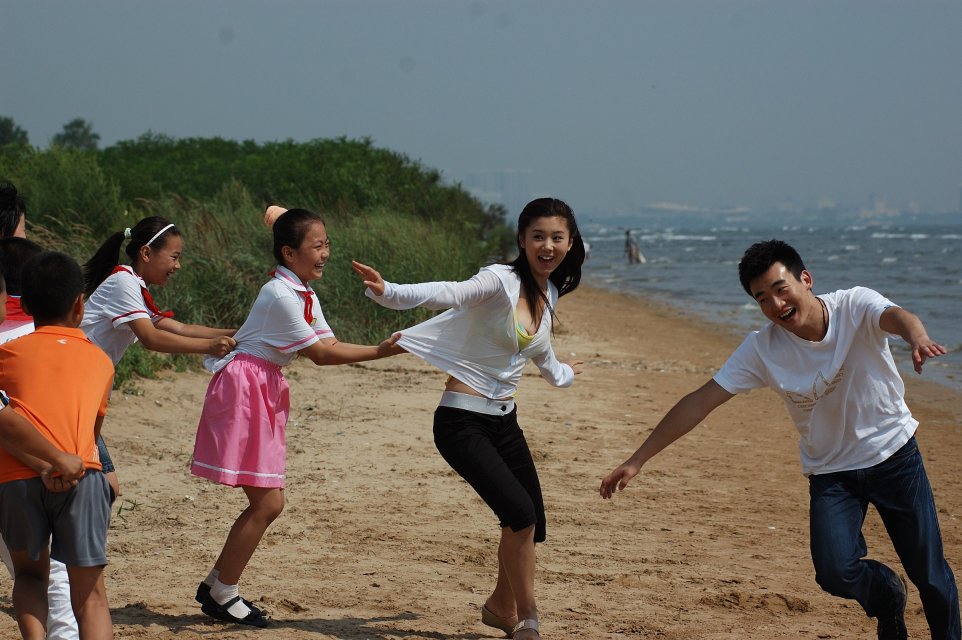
[{"x": 381, "y": 541}]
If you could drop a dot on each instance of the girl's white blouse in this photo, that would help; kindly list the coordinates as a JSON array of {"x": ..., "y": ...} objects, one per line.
[{"x": 276, "y": 329}]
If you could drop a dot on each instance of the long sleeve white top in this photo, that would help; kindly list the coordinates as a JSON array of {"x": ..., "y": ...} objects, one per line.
[{"x": 476, "y": 339}]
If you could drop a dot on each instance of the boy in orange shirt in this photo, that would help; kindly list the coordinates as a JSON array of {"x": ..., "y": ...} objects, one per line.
[
  {"x": 20, "y": 437},
  {"x": 59, "y": 381}
]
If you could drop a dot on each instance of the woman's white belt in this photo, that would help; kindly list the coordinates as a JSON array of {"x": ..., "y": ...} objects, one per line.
[{"x": 477, "y": 404}]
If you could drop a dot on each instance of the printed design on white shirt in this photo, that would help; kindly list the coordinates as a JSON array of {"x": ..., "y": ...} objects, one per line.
[{"x": 806, "y": 403}]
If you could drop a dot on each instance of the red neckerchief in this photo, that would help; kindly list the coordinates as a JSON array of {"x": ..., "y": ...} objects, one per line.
[
  {"x": 308, "y": 306},
  {"x": 15, "y": 312},
  {"x": 148, "y": 299},
  {"x": 308, "y": 299}
]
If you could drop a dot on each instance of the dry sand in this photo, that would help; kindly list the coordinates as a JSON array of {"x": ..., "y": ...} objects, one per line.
[{"x": 380, "y": 540}]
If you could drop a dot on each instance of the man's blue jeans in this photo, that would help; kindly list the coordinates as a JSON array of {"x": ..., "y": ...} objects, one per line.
[{"x": 899, "y": 490}]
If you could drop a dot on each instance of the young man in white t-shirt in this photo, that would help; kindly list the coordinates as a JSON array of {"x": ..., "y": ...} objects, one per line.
[{"x": 829, "y": 359}]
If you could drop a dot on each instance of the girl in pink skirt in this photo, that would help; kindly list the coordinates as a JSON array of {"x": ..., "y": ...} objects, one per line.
[{"x": 240, "y": 439}]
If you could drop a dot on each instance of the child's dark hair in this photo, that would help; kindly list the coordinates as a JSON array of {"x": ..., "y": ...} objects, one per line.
[
  {"x": 290, "y": 229},
  {"x": 762, "y": 255},
  {"x": 107, "y": 257},
  {"x": 52, "y": 281},
  {"x": 12, "y": 209},
  {"x": 14, "y": 253},
  {"x": 567, "y": 275}
]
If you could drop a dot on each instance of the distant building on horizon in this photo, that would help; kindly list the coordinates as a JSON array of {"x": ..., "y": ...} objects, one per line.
[{"x": 878, "y": 209}]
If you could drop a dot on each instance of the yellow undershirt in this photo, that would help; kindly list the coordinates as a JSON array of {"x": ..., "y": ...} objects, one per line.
[{"x": 523, "y": 338}]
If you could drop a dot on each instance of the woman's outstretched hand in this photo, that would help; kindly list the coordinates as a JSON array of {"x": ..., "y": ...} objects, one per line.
[
  {"x": 576, "y": 365},
  {"x": 372, "y": 279}
]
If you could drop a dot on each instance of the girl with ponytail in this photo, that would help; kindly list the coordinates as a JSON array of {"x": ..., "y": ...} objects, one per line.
[{"x": 119, "y": 309}]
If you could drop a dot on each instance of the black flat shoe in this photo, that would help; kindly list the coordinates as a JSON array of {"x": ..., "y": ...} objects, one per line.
[
  {"x": 203, "y": 597},
  {"x": 221, "y": 612}
]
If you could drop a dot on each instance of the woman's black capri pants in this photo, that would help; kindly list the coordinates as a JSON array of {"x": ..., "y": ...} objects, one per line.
[{"x": 490, "y": 452}]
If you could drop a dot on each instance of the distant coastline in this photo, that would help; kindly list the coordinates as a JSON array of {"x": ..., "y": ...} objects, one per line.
[{"x": 686, "y": 216}]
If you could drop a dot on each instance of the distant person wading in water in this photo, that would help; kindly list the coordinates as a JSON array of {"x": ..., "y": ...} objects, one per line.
[{"x": 632, "y": 251}]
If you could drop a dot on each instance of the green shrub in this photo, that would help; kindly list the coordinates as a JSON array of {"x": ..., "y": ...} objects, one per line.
[
  {"x": 332, "y": 175},
  {"x": 380, "y": 207},
  {"x": 62, "y": 188}
]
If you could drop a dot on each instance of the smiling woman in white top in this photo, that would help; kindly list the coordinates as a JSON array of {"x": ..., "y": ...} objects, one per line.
[{"x": 495, "y": 322}]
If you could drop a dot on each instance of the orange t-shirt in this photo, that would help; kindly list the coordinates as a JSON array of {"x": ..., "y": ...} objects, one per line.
[{"x": 59, "y": 381}]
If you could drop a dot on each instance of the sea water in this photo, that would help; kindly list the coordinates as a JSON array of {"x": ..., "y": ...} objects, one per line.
[{"x": 694, "y": 267}]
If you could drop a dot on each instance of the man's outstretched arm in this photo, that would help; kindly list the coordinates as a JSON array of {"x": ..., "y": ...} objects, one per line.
[
  {"x": 680, "y": 419},
  {"x": 907, "y": 326}
]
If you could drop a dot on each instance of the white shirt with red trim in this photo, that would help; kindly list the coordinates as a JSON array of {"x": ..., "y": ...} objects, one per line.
[
  {"x": 17, "y": 323},
  {"x": 276, "y": 327},
  {"x": 118, "y": 300}
]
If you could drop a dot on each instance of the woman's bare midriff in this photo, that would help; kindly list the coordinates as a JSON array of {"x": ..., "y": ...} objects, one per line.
[{"x": 455, "y": 385}]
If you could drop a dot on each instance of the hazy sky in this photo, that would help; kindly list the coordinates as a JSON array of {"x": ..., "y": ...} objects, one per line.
[{"x": 610, "y": 105}]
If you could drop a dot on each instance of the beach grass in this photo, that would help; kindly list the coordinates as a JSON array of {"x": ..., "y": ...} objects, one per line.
[{"x": 380, "y": 208}]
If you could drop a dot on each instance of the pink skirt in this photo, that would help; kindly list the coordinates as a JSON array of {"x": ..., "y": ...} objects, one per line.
[{"x": 241, "y": 436}]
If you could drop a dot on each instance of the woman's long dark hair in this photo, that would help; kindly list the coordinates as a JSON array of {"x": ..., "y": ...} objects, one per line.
[
  {"x": 12, "y": 209},
  {"x": 107, "y": 257},
  {"x": 568, "y": 274}
]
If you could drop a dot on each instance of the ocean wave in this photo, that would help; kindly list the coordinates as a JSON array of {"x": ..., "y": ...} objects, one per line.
[
  {"x": 879, "y": 235},
  {"x": 682, "y": 237},
  {"x": 730, "y": 230}
]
